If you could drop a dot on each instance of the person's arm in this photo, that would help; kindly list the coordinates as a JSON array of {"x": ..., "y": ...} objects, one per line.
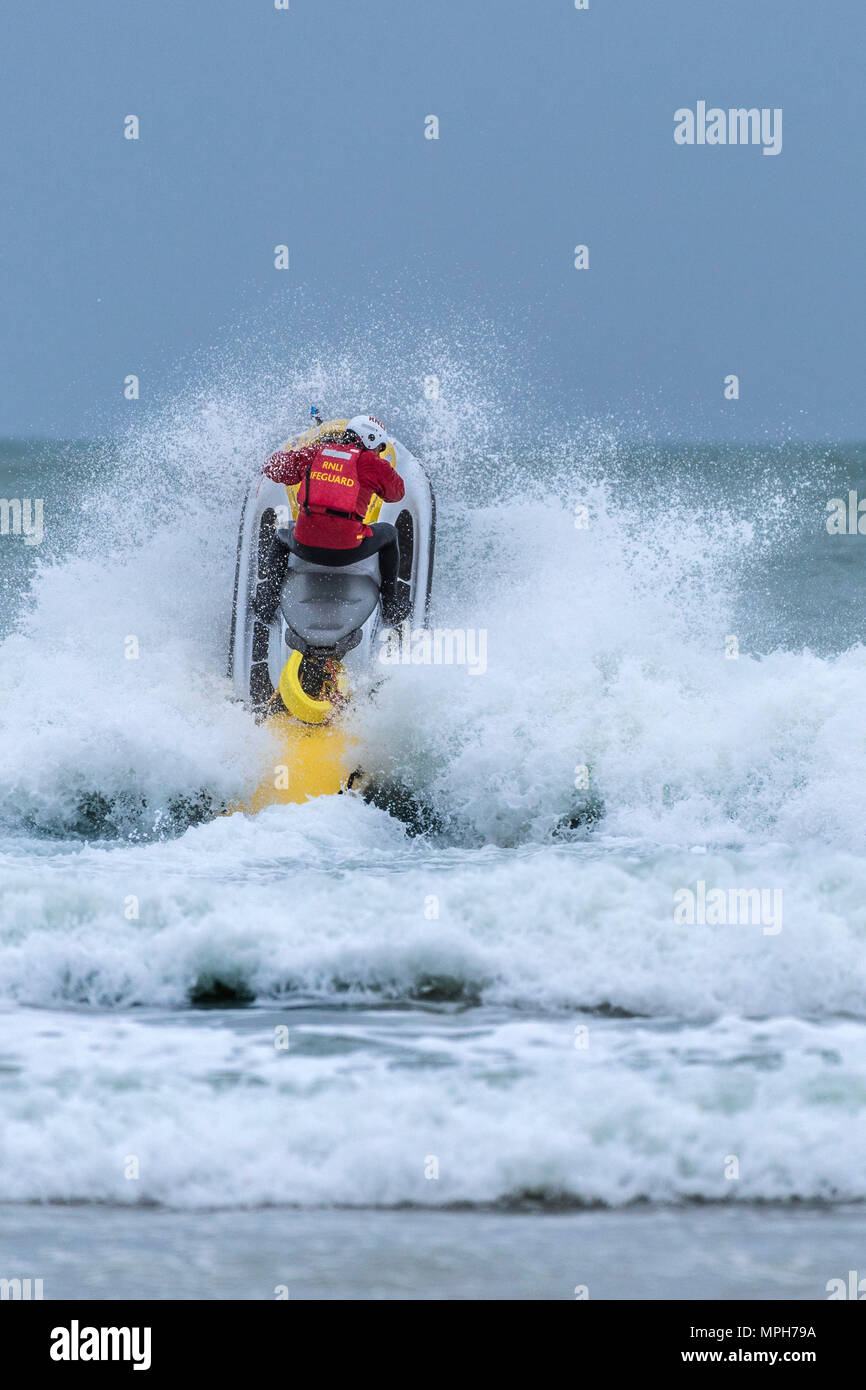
[
  {"x": 289, "y": 465},
  {"x": 381, "y": 477}
]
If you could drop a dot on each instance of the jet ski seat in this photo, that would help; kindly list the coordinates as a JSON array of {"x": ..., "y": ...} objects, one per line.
[{"x": 324, "y": 608}]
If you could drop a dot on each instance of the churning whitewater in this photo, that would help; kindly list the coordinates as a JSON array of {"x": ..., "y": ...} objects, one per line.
[{"x": 481, "y": 964}]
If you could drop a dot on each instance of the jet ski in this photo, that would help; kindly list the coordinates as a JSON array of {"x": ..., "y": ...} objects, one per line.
[{"x": 320, "y": 651}]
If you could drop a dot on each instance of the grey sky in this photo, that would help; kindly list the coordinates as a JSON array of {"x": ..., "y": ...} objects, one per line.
[{"x": 307, "y": 127}]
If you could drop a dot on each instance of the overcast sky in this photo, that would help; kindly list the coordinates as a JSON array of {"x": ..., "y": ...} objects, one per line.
[{"x": 306, "y": 127}]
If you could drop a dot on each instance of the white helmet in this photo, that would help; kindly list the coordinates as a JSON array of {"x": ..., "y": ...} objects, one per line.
[{"x": 370, "y": 431}]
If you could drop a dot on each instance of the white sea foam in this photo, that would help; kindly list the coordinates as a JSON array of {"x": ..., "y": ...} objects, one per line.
[{"x": 354, "y": 1113}]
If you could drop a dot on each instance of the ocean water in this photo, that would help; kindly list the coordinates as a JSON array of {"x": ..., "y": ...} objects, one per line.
[{"x": 422, "y": 1043}]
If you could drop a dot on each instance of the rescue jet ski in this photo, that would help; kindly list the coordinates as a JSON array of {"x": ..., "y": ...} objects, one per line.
[{"x": 321, "y": 647}]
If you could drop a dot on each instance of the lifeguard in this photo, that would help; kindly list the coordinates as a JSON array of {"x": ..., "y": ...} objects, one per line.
[{"x": 336, "y": 478}]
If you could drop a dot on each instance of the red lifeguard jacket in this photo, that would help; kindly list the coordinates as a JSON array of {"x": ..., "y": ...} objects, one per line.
[{"x": 330, "y": 486}]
